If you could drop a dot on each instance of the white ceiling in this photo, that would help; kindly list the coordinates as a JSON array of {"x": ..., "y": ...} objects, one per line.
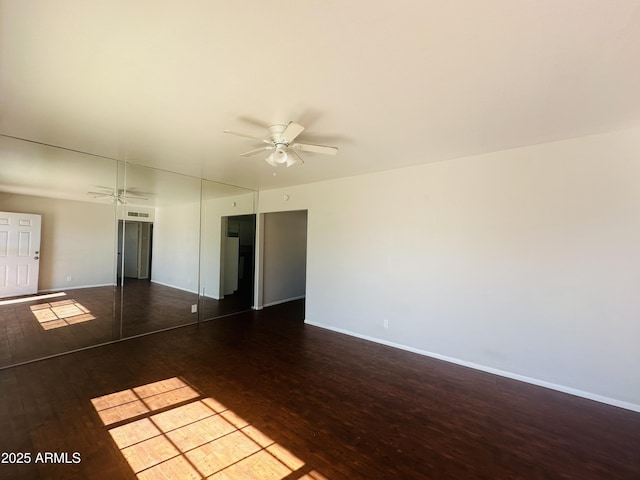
[{"x": 391, "y": 84}]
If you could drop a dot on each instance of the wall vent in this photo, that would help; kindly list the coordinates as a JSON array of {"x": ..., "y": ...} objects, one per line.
[{"x": 138, "y": 214}]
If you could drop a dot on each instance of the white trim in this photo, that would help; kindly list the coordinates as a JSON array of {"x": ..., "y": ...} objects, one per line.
[
  {"x": 258, "y": 260},
  {"x": 278, "y": 302},
  {"x": 195, "y": 292},
  {"x": 202, "y": 295},
  {"x": 62, "y": 289},
  {"x": 476, "y": 366}
]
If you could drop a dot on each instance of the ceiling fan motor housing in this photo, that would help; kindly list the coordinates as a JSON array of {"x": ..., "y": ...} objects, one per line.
[{"x": 275, "y": 134}]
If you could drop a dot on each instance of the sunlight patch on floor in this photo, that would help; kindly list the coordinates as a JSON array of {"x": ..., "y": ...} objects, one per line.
[
  {"x": 60, "y": 314},
  {"x": 127, "y": 404},
  {"x": 195, "y": 439}
]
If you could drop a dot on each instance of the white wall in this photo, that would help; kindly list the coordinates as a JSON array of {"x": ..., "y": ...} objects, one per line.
[
  {"x": 176, "y": 246},
  {"x": 524, "y": 262},
  {"x": 77, "y": 240},
  {"x": 284, "y": 256}
]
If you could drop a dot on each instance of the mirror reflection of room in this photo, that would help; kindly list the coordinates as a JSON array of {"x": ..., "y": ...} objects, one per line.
[
  {"x": 59, "y": 294},
  {"x": 159, "y": 231},
  {"x": 121, "y": 250}
]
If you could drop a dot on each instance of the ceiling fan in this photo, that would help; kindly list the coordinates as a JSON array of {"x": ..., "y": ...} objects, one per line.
[
  {"x": 119, "y": 196},
  {"x": 280, "y": 143}
]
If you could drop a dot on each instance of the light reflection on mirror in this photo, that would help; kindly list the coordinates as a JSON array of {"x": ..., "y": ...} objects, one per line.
[
  {"x": 32, "y": 298},
  {"x": 192, "y": 436}
]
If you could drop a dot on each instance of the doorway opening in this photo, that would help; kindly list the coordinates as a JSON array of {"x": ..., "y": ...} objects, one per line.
[
  {"x": 284, "y": 257},
  {"x": 135, "y": 241},
  {"x": 238, "y": 257}
]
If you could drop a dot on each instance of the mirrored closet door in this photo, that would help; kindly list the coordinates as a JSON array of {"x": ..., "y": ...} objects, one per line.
[
  {"x": 123, "y": 250},
  {"x": 158, "y": 249},
  {"x": 72, "y": 269}
]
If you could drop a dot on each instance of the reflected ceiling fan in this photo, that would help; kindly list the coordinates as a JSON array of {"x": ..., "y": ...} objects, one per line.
[
  {"x": 119, "y": 196},
  {"x": 281, "y": 145}
]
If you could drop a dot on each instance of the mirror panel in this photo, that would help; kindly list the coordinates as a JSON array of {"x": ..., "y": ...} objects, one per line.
[
  {"x": 227, "y": 250},
  {"x": 72, "y": 305},
  {"x": 159, "y": 235},
  {"x": 125, "y": 250}
]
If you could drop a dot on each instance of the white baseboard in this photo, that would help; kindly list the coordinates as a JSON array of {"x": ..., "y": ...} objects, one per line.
[
  {"x": 75, "y": 287},
  {"x": 278, "y": 302},
  {"x": 195, "y": 292},
  {"x": 502, "y": 373},
  {"x": 212, "y": 297}
]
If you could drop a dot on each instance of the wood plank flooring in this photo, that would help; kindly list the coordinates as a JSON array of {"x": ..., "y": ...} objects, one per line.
[
  {"x": 261, "y": 395},
  {"x": 83, "y": 317}
]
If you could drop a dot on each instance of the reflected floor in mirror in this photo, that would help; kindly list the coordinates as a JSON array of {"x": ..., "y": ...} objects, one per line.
[
  {"x": 42, "y": 325},
  {"x": 148, "y": 307}
]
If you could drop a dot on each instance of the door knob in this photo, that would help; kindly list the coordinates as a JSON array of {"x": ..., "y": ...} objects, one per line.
[{"x": 36, "y": 258}]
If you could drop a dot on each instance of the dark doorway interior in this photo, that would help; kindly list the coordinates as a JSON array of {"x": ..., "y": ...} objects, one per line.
[{"x": 243, "y": 227}]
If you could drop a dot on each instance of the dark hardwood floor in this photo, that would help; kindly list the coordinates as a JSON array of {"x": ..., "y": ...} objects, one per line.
[
  {"x": 261, "y": 395},
  {"x": 49, "y": 325}
]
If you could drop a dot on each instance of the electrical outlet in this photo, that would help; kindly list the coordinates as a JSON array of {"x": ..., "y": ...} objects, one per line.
[
  {"x": 69, "y": 278},
  {"x": 386, "y": 323},
  {"x": 194, "y": 308}
]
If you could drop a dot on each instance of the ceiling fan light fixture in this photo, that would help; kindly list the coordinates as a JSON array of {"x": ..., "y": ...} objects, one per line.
[
  {"x": 278, "y": 157},
  {"x": 291, "y": 161}
]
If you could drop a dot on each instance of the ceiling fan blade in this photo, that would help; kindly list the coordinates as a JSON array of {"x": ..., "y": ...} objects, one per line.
[
  {"x": 307, "y": 147},
  {"x": 99, "y": 194},
  {"x": 291, "y": 160},
  {"x": 133, "y": 197},
  {"x": 291, "y": 132},
  {"x": 253, "y": 152},
  {"x": 133, "y": 191},
  {"x": 255, "y": 122},
  {"x": 246, "y": 135},
  {"x": 271, "y": 161}
]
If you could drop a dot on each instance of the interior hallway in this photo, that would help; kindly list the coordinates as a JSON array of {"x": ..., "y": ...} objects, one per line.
[{"x": 262, "y": 394}]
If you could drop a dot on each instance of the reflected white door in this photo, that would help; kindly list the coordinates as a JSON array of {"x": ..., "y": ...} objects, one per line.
[{"x": 19, "y": 253}]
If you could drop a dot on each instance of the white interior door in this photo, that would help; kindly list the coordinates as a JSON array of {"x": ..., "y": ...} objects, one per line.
[{"x": 19, "y": 253}]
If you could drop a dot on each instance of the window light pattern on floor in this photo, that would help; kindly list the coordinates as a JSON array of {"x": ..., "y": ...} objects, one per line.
[
  {"x": 197, "y": 438},
  {"x": 60, "y": 314}
]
